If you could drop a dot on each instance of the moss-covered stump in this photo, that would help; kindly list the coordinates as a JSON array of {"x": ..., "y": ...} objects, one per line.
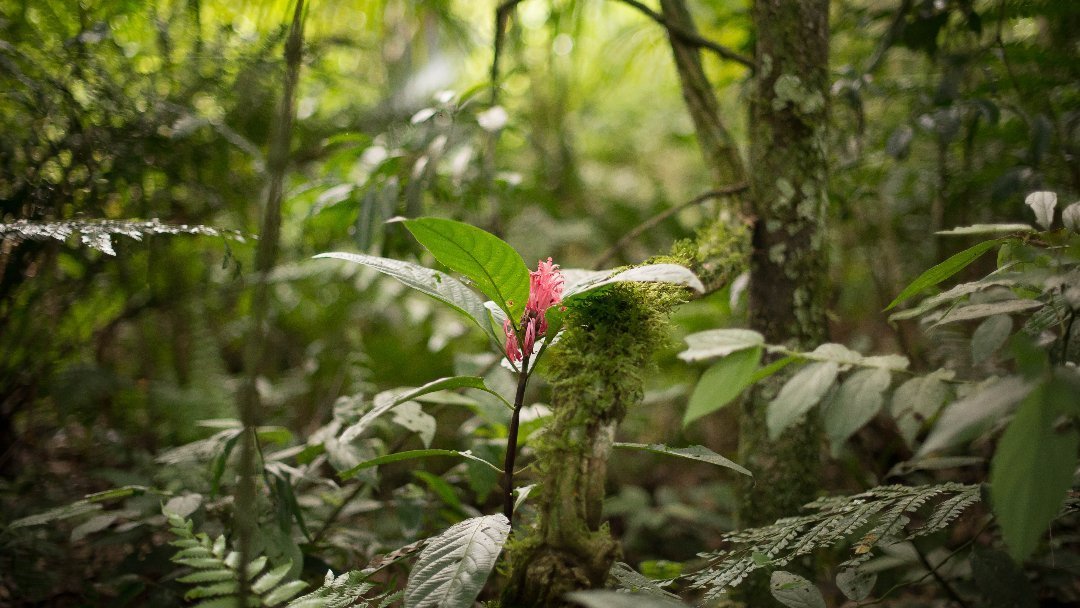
[{"x": 597, "y": 371}]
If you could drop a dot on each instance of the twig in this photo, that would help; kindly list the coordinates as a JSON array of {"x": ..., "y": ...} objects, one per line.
[
  {"x": 663, "y": 215},
  {"x": 691, "y": 37}
]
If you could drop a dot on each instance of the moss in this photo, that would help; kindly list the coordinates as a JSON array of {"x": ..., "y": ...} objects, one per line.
[{"x": 719, "y": 252}]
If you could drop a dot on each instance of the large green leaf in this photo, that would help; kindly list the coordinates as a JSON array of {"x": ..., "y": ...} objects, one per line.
[
  {"x": 454, "y": 565},
  {"x": 438, "y": 285},
  {"x": 722, "y": 382},
  {"x": 492, "y": 265},
  {"x": 944, "y": 270},
  {"x": 694, "y": 452},
  {"x": 969, "y": 417},
  {"x": 801, "y": 393},
  {"x": 1033, "y": 467},
  {"x": 413, "y": 455}
]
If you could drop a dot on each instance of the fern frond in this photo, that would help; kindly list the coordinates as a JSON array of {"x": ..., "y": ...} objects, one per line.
[
  {"x": 97, "y": 234},
  {"x": 217, "y": 572},
  {"x": 876, "y": 517},
  {"x": 343, "y": 591}
]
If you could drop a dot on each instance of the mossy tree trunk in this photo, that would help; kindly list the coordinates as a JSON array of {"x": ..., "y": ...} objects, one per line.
[
  {"x": 787, "y": 292},
  {"x": 597, "y": 372}
]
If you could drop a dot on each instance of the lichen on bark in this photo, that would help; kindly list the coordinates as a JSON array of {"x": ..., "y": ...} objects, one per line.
[{"x": 597, "y": 370}]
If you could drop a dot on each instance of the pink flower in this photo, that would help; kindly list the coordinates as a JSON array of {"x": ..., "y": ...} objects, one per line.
[{"x": 545, "y": 290}]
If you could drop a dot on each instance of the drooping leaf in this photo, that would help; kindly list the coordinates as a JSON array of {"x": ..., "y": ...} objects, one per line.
[
  {"x": 856, "y": 584},
  {"x": 795, "y": 591},
  {"x": 602, "y": 598},
  {"x": 944, "y": 270},
  {"x": 989, "y": 336},
  {"x": 651, "y": 273},
  {"x": 387, "y": 400},
  {"x": 492, "y": 265},
  {"x": 412, "y": 455},
  {"x": 438, "y": 285},
  {"x": 799, "y": 395},
  {"x": 722, "y": 382},
  {"x": 978, "y": 411},
  {"x": 454, "y": 565},
  {"x": 1033, "y": 467},
  {"x": 636, "y": 582},
  {"x": 694, "y": 452},
  {"x": 719, "y": 343},
  {"x": 859, "y": 399}
]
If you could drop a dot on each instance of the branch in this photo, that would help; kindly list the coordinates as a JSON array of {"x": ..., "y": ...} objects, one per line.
[
  {"x": 502, "y": 16},
  {"x": 663, "y": 215},
  {"x": 690, "y": 37}
]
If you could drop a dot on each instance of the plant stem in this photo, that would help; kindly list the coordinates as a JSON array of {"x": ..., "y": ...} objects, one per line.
[{"x": 511, "y": 441}]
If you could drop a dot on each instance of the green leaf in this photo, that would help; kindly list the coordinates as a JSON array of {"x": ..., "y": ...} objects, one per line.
[
  {"x": 944, "y": 270},
  {"x": 454, "y": 565},
  {"x": 492, "y": 265},
  {"x": 614, "y": 599},
  {"x": 1000, "y": 581},
  {"x": 722, "y": 382},
  {"x": 438, "y": 285},
  {"x": 856, "y": 403},
  {"x": 78, "y": 508},
  {"x": 989, "y": 336},
  {"x": 388, "y": 400},
  {"x": 720, "y": 343},
  {"x": 222, "y": 588},
  {"x": 802, "y": 392},
  {"x": 694, "y": 452},
  {"x": 411, "y": 455},
  {"x": 795, "y": 591},
  {"x": 1033, "y": 467},
  {"x": 209, "y": 576}
]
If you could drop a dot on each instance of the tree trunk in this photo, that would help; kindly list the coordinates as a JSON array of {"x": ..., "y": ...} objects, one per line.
[{"x": 788, "y": 265}]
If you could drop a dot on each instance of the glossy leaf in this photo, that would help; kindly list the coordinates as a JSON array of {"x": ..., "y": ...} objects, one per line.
[
  {"x": 978, "y": 311},
  {"x": 651, "y": 273},
  {"x": 944, "y": 270},
  {"x": 492, "y": 265},
  {"x": 438, "y": 285},
  {"x": 722, "y": 383},
  {"x": 1042, "y": 203},
  {"x": 856, "y": 584},
  {"x": 602, "y": 598}
]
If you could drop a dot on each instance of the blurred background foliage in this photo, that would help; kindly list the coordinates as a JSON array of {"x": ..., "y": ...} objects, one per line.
[{"x": 944, "y": 113}]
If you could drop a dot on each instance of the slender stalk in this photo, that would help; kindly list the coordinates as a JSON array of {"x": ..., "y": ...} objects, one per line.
[
  {"x": 511, "y": 441},
  {"x": 265, "y": 258}
]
